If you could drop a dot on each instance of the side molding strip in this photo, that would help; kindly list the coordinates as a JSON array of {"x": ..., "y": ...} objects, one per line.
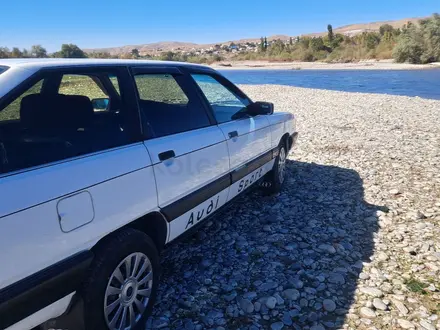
[
  {"x": 29, "y": 295},
  {"x": 176, "y": 209},
  {"x": 197, "y": 197}
]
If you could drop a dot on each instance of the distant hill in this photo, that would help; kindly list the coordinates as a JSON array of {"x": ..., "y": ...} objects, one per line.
[
  {"x": 354, "y": 29},
  {"x": 163, "y": 46}
]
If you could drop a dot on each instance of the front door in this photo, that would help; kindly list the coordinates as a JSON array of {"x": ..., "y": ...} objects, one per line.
[
  {"x": 189, "y": 152},
  {"x": 248, "y": 138}
]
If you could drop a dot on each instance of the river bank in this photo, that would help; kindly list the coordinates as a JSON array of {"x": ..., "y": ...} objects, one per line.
[
  {"x": 352, "y": 241},
  {"x": 362, "y": 65}
]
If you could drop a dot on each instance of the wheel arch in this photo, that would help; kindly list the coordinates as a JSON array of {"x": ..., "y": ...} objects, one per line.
[
  {"x": 152, "y": 224},
  {"x": 286, "y": 139}
]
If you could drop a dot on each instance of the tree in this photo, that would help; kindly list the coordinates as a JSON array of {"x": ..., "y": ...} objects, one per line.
[
  {"x": 330, "y": 33},
  {"x": 419, "y": 44},
  {"x": 25, "y": 53},
  {"x": 262, "y": 49},
  {"x": 4, "y": 52},
  {"x": 70, "y": 51},
  {"x": 290, "y": 41},
  {"x": 16, "y": 53},
  {"x": 386, "y": 28},
  {"x": 38, "y": 51},
  {"x": 370, "y": 39},
  {"x": 317, "y": 44},
  {"x": 135, "y": 53},
  {"x": 168, "y": 56}
]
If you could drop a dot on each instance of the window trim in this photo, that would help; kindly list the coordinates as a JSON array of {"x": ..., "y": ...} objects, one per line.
[
  {"x": 222, "y": 81},
  {"x": 185, "y": 83}
]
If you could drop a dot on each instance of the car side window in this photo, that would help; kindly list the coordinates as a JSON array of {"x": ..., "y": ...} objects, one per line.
[
  {"x": 225, "y": 103},
  {"x": 53, "y": 126},
  {"x": 86, "y": 85},
  {"x": 167, "y": 107},
  {"x": 12, "y": 111}
]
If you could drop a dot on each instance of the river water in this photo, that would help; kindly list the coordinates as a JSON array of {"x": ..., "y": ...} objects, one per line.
[{"x": 422, "y": 83}]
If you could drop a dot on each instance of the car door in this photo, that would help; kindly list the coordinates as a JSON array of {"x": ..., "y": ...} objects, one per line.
[
  {"x": 188, "y": 151},
  {"x": 248, "y": 138}
]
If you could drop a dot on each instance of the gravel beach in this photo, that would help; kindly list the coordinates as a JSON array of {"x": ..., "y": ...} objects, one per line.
[
  {"x": 361, "y": 65},
  {"x": 352, "y": 242}
]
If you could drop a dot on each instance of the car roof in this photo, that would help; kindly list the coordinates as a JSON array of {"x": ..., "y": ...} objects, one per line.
[{"x": 35, "y": 64}]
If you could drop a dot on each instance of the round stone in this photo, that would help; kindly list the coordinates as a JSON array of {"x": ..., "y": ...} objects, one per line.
[
  {"x": 367, "y": 312},
  {"x": 329, "y": 305}
]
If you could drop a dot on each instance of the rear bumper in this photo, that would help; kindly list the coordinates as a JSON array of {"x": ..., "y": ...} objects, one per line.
[
  {"x": 292, "y": 140},
  {"x": 35, "y": 292}
]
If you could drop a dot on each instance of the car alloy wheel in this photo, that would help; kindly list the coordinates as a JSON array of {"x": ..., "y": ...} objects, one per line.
[
  {"x": 282, "y": 164},
  {"x": 128, "y": 292}
]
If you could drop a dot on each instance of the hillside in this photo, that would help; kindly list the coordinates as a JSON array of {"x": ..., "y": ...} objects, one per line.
[
  {"x": 354, "y": 29},
  {"x": 163, "y": 46}
]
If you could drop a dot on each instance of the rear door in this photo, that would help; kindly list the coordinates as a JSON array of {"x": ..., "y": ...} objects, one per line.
[
  {"x": 188, "y": 151},
  {"x": 248, "y": 138}
]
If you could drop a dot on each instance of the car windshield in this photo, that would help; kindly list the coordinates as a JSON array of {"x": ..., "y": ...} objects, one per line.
[{"x": 3, "y": 69}]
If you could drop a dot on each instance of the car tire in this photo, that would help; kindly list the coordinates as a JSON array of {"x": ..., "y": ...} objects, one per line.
[
  {"x": 122, "y": 282},
  {"x": 274, "y": 180}
]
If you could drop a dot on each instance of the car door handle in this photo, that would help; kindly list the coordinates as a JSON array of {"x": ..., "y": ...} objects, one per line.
[
  {"x": 233, "y": 134},
  {"x": 166, "y": 155}
]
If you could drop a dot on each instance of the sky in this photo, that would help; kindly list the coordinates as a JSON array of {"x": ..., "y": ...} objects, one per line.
[{"x": 110, "y": 23}]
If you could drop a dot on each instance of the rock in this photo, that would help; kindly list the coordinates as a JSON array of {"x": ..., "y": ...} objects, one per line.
[
  {"x": 250, "y": 295},
  {"x": 313, "y": 317},
  {"x": 382, "y": 256},
  {"x": 280, "y": 301},
  {"x": 189, "y": 325},
  {"x": 426, "y": 325},
  {"x": 271, "y": 302},
  {"x": 395, "y": 191},
  {"x": 401, "y": 307},
  {"x": 257, "y": 306},
  {"x": 373, "y": 292},
  {"x": 160, "y": 323},
  {"x": 287, "y": 319},
  {"x": 309, "y": 261},
  {"x": 420, "y": 216},
  {"x": 231, "y": 296},
  {"x": 379, "y": 304},
  {"x": 206, "y": 263},
  {"x": 298, "y": 284},
  {"x": 291, "y": 294},
  {"x": 404, "y": 324},
  {"x": 267, "y": 286},
  {"x": 367, "y": 312},
  {"x": 277, "y": 326},
  {"x": 246, "y": 305},
  {"x": 364, "y": 276},
  {"x": 336, "y": 278},
  {"x": 329, "y": 305},
  {"x": 327, "y": 248},
  {"x": 317, "y": 327}
]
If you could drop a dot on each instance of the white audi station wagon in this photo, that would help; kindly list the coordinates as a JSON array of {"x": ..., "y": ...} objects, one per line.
[{"x": 105, "y": 162}]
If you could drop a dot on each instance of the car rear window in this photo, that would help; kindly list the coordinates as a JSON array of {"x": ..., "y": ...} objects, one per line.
[{"x": 3, "y": 69}]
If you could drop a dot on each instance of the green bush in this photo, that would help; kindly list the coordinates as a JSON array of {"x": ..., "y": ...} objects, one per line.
[{"x": 419, "y": 43}]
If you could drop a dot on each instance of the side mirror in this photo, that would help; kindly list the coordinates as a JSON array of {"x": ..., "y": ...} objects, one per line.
[
  {"x": 100, "y": 104},
  {"x": 260, "y": 108}
]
